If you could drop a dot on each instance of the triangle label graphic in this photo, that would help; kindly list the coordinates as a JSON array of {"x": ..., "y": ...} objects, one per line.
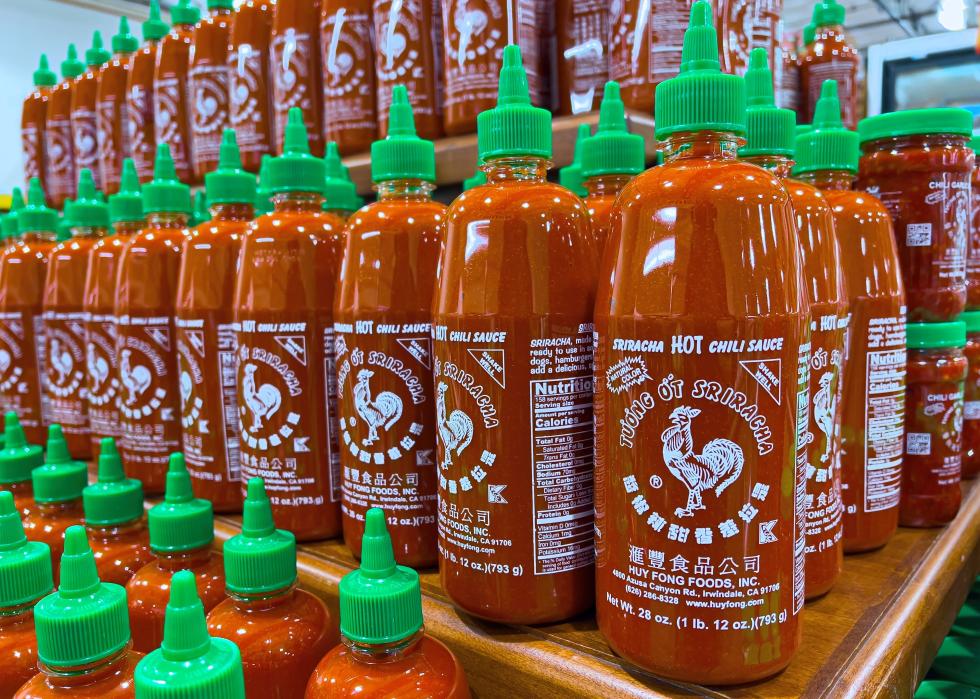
[
  {"x": 196, "y": 339},
  {"x": 418, "y": 347},
  {"x": 160, "y": 335},
  {"x": 295, "y": 345},
  {"x": 768, "y": 373},
  {"x": 492, "y": 362}
]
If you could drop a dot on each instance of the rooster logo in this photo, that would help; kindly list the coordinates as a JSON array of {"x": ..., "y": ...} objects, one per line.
[
  {"x": 469, "y": 24},
  {"x": 455, "y": 432},
  {"x": 61, "y": 362},
  {"x": 262, "y": 403},
  {"x": 824, "y": 407},
  {"x": 717, "y": 466},
  {"x": 382, "y": 411},
  {"x": 135, "y": 379},
  {"x": 98, "y": 367}
]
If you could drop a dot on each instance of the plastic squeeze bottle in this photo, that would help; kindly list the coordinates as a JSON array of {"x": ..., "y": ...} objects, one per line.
[
  {"x": 209, "y": 84},
  {"x": 141, "y": 140},
  {"x": 206, "y": 334},
  {"x": 787, "y": 74},
  {"x": 873, "y": 391},
  {"x": 282, "y": 631},
  {"x": 973, "y": 241},
  {"x": 384, "y": 650},
  {"x": 83, "y": 639},
  {"x": 149, "y": 404},
  {"x": 830, "y": 56},
  {"x": 111, "y": 117},
  {"x": 114, "y": 519},
  {"x": 339, "y": 193},
  {"x": 84, "y": 105},
  {"x": 570, "y": 176},
  {"x": 18, "y": 459},
  {"x": 23, "y": 267},
  {"x": 172, "y": 100},
  {"x": 770, "y": 142},
  {"x": 609, "y": 159},
  {"x": 25, "y": 577},
  {"x": 383, "y": 331},
  {"x": 181, "y": 533},
  {"x": 59, "y": 146},
  {"x": 296, "y": 70},
  {"x": 743, "y": 27},
  {"x": 583, "y": 64},
  {"x": 347, "y": 53},
  {"x": 99, "y": 299},
  {"x": 702, "y": 329},
  {"x": 65, "y": 379},
  {"x": 33, "y": 122},
  {"x": 514, "y": 421},
  {"x": 283, "y": 305},
  {"x": 250, "y": 81}
]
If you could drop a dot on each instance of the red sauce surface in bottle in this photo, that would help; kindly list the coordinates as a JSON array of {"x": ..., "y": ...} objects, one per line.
[
  {"x": 111, "y": 678},
  {"x": 347, "y": 51},
  {"x": 973, "y": 246},
  {"x": 603, "y": 191},
  {"x": 33, "y": 120},
  {"x": 831, "y": 56},
  {"x": 59, "y": 148},
  {"x": 296, "y": 69},
  {"x": 141, "y": 140},
  {"x": 172, "y": 102},
  {"x": 209, "y": 86},
  {"x": 18, "y": 648},
  {"x": 583, "y": 64},
  {"x": 111, "y": 116},
  {"x": 84, "y": 107},
  {"x": 250, "y": 81},
  {"x": 47, "y": 523},
  {"x": 120, "y": 551},
  {"x": 971, "y": 398}
]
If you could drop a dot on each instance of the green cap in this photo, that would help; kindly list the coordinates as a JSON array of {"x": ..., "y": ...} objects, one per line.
[
  {"x": 809, "y": 33},
  {"x": 261, "y": 558},
  {"x": 36, "y": 216},
  {"x": 935, "y": 335},
  {"x": 402, "y": 155},
  {"x": 201, "y": 212},
  {"x": 220, "y": 4},
  {"x": 911, "y": 122},
  {"x": 263, "y": 201},
  {"x": 380, "y": 602},
  {"x": 972, "y": 321},
  {"x": 339, "y": 193},
  {"x": 155, "y": 28},
  {"x": 88, "y": 210},
  {"x": 828, "y": 145},
  {"x": 17, "y": 458},
  {"x": 189, "y": 664},
  {"x": 44, "y": 76},
  {"x": 479, "y": 178},
  {"x": 97, "y": 54},
  {"x": 701, "y": 97},
  {"x": 295, "y": 170},
  {"x": 230, "y": 184},
  {"x": 570, "y": 176},
  {"x": 828, "y": 13},
  {"x": 9, "y": 222},
  {"x": 127, "y": 203},
  {"x": 944, "y": 689},
  {"x": 65, "y": 222},
  {"x": 25, "y": 566},
  {"x": 769, "y": 130},
  {"x": 71, "y": 67},
  {"x": 86, "y": 620},
  {"x": 514, "y": 127},
  {"x": 61, "y": 478},
  {"x": 181, "y": 522},
  {"x": 123, "y": 41},
  {"x": 185, "y": 12},
  {"x": 613, "y": 150},
  {"x": 165, "y": 192},
  {"x": 113, "y": 498}
]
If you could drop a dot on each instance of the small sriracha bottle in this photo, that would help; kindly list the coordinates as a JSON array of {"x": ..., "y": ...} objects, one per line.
[
  {"x": 570, "y": 176},
  {"x": 18, "y": 459}
]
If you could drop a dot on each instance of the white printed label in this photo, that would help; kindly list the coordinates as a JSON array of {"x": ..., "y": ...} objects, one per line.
[
  {"x": 918, "y": 235},
  {"x": 918, "y": 443},
  {"x": 971, "y": 410}
]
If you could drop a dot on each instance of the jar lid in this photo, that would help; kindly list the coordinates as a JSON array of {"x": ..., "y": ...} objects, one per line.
[
  {"x": 911, "y": 122},
  {"x": 936, "y": 335},
  {"x": 972, "y": 321}
]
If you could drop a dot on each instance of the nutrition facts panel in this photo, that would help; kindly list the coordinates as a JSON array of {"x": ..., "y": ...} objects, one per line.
[{"x": 884, "y": 415}]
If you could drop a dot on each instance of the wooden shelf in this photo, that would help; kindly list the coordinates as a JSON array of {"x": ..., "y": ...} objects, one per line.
[{"x": 874, "y": 634}]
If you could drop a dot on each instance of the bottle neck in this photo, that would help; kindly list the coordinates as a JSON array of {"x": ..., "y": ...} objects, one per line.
[
  {"x": 12, "y": 616},
  {"x": 517, "y": 168},
  {"x": 80, "y": 675},
  {"x": 262, "y": 600},
  {"x": 383, "y": 652},
  {"x": 115, "y": 531},
  {"x": 88, "y": 232},
  {"x": 605, "y": 185},
  {"x": 181, "y": 560},
  {"x": 702, "y": 145},
  {"x": 836, "y": 180},
  {"x": 232, "y": 212},
  {"x": 165, "y": 220},
  {"x": 37, "y": 237},
  {"x": 779, "y": 165},
  {"x": 216, "y": 11},
  {"x": 406, "y": 190},
  {"x": 297, "y": 201},
  {"x": 125, "y": 228},
  {"x": 56, "y": 509}
]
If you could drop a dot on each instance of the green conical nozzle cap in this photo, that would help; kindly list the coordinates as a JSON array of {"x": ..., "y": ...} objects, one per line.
[
  {"x": 123, "y": 41},
  {"x": 769, "y": 130},
  {"x": 181, "y": 522},
  {"x": 96, "y": 55},
  {"x": 63, "y": 229},
  {"x": 201, "y": 212},
  {"x": 86, "y": 620},
  {"x": 17, "y": 458},
  {"x": 44, "y": 76},
  {"x": 25, "y": 566},
  {"x": 479, "y": 178},
  {"x": 71, "y": 67},
  {"x": 570, "y": 176},
  {"x": 9, "y": 222},
  {"x": 613, "y": 150},
  {"x": 809, "y": 32},
  {"x": 828, "y": 145},
  {"x": 295, "y": 170},
  {"x": 88, "y": 210},
  {"x": 701, "y": 97},
  {"x": 230, "y": 184},
  {"x": 61, "y": 478},
  {"x": 402, "y": 155},
  {"x": 262, "y": 558},
  {"x": 189, "y": 664},
  {"x": 165, "y": 193},
  {"x": 36, "y": 217},
  {"x": 380, "y": 602},
  {"x": 185, "y": 12},
  {"x": 113, "y": 499},
  {"x": 339, "y": 193},
  {"x": 127, "y": 203},
  {"x": 514, "y": 127},
  {"x": 155, "y": 28},
  {"x": 828, "y": 13},
  {"x": 263, "y": 201}
]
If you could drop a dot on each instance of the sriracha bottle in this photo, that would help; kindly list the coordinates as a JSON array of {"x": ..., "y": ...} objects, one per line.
[
  {"x": 339, "y": 193},
  {"x": 111, "y": 118},
  {"x": 172, "y": 101},
  {"x": 59, "y": 146},
  {"x": 702, "y": 331},
  {"x": 208, "y": 88},
  {"x": 583, "y": 61},
  {"x": 250, "y": 81},
  {"x": 570, "y": 176},
  {"x": 382, "y": 321},
  {"x": 18, "y": 459},
  {"x": 830, "y": 55},
  {"x": 512, "y": 329},
  {"x": 84, "y": 105},
  {"x": 296, "y": 70},
  {"x": 33, "y": 122},
  {"x": 141, "y": 137}
]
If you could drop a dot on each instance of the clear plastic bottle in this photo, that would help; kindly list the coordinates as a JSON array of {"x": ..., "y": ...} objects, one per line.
[
  {"x": 111, "y": 117},
  {"x": 84, "y": 107},
  {"x": 296, "y": 70},
  {"x": 250, "y": 81},
  {"x": 59, "y": 144},
  {"x": 830, "y": 55},
  {"x": 141, "y": 137},
  {"x": 172, "y": 101},
  {"x": 209, "y": 86},
  {"x": 33, "y": 122}
]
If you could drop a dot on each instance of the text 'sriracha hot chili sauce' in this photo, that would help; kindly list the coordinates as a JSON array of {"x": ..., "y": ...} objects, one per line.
[
  {"x": 18, "y": 459},
  {"x": 610, "y": 159},
  {"x": 250, "y": 81},
  {"x": 973, "y": 244},
  {"x": 770, "y": 142},
  {"x": 383, "y": 332},
  {"x": 937, "y": 369},
  {"x": 84, "y": 105},
  {"x": 172, "y": 100},
  {"x": 209, "y": 85},
  {"x": 512, "y": 330},
  {"x": 971, "y": 397},
  {"x": 146, "y": 349},
  {"x": 33, "y": 123},
  {"x": 283, "y": 305},
  {"x": 206, "y": 334},
  {"x": 23, "y": 268},
  {"x": 141, "y": 140},
  {"x": 744, "y": 25},
  {"x": 65, "y": 383},
  {"x": 873, "y": 390},
  {"x": 701, "y": 377},
  {"x": 918, "y": 163},
  {"x": 111, "y": 100},
  {"x": 583, "y": 61},
  {"x": 347, "y": 53},
  {"x": 407, "y": 41},
  {"x": 296, "y": 70},
  {"x": 570, "y": 176},
  {"x": 59, "y": 148},
  {"x": 830, "y": 55}
]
